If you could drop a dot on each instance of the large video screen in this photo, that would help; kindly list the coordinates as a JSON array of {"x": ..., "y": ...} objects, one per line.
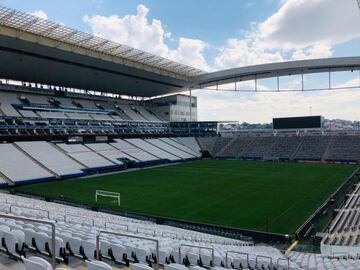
[{"x": 301, "y": 122}]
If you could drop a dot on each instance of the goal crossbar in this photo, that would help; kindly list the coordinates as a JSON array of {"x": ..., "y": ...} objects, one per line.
[{"x": 105, "y": 193}]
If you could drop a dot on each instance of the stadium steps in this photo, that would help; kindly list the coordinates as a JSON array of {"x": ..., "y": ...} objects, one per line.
[
  {"x": 6, "y": 179},
  {"x": 179, "y": 146},
  {"x": 99, "y": 153},
  {"x": 35, "y": 161},
  {"x": 65, "y": 153},
  {"x": 297, "y": 149},
  {"x": 328, "y": 149},
  {"x": 226, "y": 147}
]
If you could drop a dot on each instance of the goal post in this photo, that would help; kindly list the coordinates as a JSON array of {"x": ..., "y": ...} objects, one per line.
[{"x": 110, "y": 194}]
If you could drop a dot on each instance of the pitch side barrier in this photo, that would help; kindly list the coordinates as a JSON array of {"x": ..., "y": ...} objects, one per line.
[{"x": 304, "y": 230}]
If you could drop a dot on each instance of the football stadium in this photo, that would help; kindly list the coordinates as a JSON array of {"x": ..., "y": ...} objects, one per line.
[{"x": 104, "y": 163}]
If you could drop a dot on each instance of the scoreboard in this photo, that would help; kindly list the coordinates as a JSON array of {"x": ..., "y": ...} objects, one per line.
[{"x": 301, "y": 122}]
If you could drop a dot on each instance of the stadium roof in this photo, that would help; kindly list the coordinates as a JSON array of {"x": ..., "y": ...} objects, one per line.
[
  {"x": 34, "y": 25},
  {"x": 50, "y": 53},
  {"x": 275, "y": 70},
  {"x": 37, "y": 50}
]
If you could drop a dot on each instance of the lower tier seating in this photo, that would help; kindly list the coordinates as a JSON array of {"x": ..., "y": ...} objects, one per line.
[
  {"x": 40, "y": 160},
  {"x": 304, "y": 147}
]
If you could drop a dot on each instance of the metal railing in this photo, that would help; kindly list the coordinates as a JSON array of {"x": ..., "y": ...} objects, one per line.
[
  {"x": 167, "y": 234},
  {"x": 52, "y": 224},
  {"x": 130, "y": 236},
  {"x": 282, "y": 259},
  {"x": 108, "y": 224},
  {"x": 143, "y": 230},
  {"x": 199, "y": 247},
  {"x": 79, "y": 217},
  {"x": 236, "y": 252},
  {"x": 30, "y": 208},
  {"x": 265, "y": 257}
]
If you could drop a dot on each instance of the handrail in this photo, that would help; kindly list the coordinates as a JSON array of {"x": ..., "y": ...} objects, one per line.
[
  {"x": 282, "y": 259},
  {"x": 340, "y": 254},
  {"x": 163, "y": 234},
  {"x": 52, "y": 224},
  {"x": 81, "y": 217},
  {"x": 199, "y": 247},
  {"x": 31, "y": 208},
  {"x": 146, "y": 229},
  {"x": 236, "y": 252},
  {"x": 262, "y": 256},
  {"x": 130, "y": 236},
  {"x": 116, "y": 224}
]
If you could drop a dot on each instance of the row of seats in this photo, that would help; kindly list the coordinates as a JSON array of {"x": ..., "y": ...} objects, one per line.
[
  {"x": 309, "y": 147},
  {"x": 40, "y": 106},
  {"x": 76, "y": 231},
  {"x": 343, "y": 236},
  {"x": 310, "y": 261},
  {"x": 40, "y": 160}
]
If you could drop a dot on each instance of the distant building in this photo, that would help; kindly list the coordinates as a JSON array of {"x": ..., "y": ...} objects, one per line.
[{"x": 175, "y": 108}]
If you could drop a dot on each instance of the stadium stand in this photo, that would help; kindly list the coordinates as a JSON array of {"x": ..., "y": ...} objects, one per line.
[
  {"x": 170, "y": 149},
  {"x": 48, "y": 156},
  {"x": 189, "y": 142},
  {"x": 305, "y": 147},
  {"x": 150, "y": 148},
  {"x": 47, "y": 114},
  {"x": 135, "y": 153},
  {"x": 76, "y": 231},
  {"x": 40, "y": 160},
  {"x": 308, "y": 261},
  {"x": 342, "y": 238},
  {"x": 182, "y": 147},
  {"x": 87, "y": 157},
  {"x": 17, "y": 167}
]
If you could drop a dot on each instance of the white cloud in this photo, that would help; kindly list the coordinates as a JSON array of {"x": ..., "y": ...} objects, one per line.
[
  {"x": 300, "y": 29},
  {"x": 136, "y": 31},
  {"x": 262, "y": 107},
  {"x": 302, "y": 23},
  {"x": 40, "y": 14},
  {"x": 244, "y": 52}
]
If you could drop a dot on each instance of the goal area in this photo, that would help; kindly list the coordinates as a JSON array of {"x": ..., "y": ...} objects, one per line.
[{"x": 109, "y": 194}]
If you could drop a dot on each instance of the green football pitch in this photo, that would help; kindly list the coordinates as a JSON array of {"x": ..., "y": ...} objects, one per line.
[{"x": 275, "y": 197}]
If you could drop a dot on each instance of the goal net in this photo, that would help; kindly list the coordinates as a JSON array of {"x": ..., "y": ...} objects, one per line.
[{"x": 103, "y": 193}]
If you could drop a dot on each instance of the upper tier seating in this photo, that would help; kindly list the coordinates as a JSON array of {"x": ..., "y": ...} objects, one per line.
[
  {"x": 17, "y": 104},
  {"x": 153, "y": 149},
  {"x": 150, "y": 116},
  {"x": 127, "y": 109},
  {"x": 18, "y": 167},
  {"x": 47, "y": 155},
  {"x": 52, "y": 115},
  {"x": 6, "y": 102}
]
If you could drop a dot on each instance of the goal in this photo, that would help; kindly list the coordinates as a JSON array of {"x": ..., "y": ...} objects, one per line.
[{"x": 110, "y": 194}]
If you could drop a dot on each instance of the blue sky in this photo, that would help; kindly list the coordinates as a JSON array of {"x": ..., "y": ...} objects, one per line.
[{"x": 215, "y": 35}]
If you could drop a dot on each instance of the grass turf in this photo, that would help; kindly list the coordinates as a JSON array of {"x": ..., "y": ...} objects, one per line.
[{"x": 274, "y": 197}]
